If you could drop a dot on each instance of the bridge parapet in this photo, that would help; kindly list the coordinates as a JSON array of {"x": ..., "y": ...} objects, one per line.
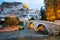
[{"x": 51, "y": 26}]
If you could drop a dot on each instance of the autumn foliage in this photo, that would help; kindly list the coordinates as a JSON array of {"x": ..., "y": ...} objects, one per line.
[{"x": 11, "y": 21}]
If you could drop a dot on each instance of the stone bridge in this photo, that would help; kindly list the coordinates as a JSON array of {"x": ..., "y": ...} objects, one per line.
[{"x": 52, "y": 27}]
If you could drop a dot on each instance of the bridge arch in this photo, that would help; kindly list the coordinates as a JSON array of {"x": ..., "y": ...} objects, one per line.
[
  {"x": 41, "y": 29},
  {"x": 31, "y": 25}
]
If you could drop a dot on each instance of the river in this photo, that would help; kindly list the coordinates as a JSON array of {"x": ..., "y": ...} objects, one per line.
[{"x": 26, "y": 34}]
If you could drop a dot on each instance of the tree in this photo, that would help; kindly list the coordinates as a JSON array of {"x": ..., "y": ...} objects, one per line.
[
  {"x": 43, "y": 17},
  {"x": 11, "y": 21}
]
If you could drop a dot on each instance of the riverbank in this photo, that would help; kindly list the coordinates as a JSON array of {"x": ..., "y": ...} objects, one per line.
[{"x": 9, "y": 29}]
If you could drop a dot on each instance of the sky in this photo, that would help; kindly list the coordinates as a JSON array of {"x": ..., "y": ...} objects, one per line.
[{"x": 33, "y": 4}]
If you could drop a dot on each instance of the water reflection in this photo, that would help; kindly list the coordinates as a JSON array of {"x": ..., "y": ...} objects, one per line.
[{"x": 27, "y": 34}]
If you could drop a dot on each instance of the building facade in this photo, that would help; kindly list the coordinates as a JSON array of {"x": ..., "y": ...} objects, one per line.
[
  {"x": 35, "y": 13},
  {"x": 13, "y": 8},
  {"x": 0, "y": 8}
]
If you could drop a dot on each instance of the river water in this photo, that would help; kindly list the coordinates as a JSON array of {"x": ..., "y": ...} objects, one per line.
[
  {"x": 26, "y": 34},
  {"x": 31, "y": 35}
]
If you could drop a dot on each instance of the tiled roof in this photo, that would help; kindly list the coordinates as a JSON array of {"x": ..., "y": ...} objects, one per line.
[{"x": 11, "y": 3}]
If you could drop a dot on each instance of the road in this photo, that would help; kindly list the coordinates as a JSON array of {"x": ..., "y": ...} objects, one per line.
[{"x": 26, "y": 34}]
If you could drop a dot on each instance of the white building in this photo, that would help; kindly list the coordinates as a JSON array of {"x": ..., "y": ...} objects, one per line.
[
  {"x": 9, "y": 6},
  {"x": 12, "y": 8},
  {"x": 35, "y": 13}
]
